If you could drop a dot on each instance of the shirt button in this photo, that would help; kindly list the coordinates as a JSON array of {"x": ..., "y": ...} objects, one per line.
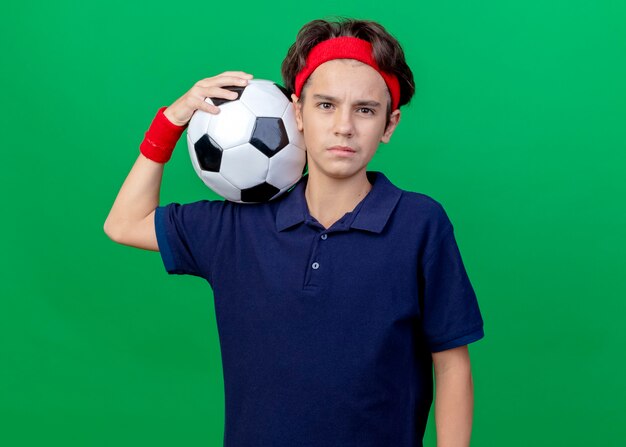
[
  {"x": 324, "y": 236},
  {"x": 315, "y": 265}
]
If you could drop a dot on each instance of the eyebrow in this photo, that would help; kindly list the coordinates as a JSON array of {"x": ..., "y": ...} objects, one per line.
[{"x": 360, "y": 103}]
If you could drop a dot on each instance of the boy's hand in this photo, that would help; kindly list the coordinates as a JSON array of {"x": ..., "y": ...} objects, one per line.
[{"x": 183, "y": 108}]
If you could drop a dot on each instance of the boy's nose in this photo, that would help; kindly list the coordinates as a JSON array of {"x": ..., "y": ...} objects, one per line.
[{"x": 343, "y": 123}]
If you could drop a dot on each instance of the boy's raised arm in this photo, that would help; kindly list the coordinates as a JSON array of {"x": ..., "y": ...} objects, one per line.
[{"x": 131, "y": 218}]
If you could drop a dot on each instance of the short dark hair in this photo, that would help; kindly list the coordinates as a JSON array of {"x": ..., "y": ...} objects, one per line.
[{"x": 386, "y": 50}]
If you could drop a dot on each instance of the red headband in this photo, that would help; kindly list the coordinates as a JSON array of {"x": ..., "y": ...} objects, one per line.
[{"x": 346, "y": 48}]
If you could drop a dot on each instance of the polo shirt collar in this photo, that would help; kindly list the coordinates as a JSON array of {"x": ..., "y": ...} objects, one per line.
[{"x": 373, "y": 213}]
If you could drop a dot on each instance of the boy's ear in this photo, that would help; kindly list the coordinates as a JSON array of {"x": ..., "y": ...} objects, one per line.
[
  {"x": 297, "y": 105},
  {"x": 394, "y": 119}
]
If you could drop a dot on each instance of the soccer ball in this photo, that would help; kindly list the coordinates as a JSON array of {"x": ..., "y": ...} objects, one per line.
[{"x": 252, "y": 151}]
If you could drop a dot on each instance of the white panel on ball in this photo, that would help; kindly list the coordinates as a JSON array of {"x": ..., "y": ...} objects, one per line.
[
  {"x": 286, "y": 166},
  {"x": 217, "y": 182},
  {"x": 232, "y": 126},
  {"x": 295, "y": 136},
  {"x": 264, "y": 101},
  {"x": 199, "y": 123},
  {"x": 244, "y": 166}
]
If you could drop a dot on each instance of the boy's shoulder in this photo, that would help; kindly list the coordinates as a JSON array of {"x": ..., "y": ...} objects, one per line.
[
  {"x": 421, "y": 207},
  {"x": 421, "y": 202}
]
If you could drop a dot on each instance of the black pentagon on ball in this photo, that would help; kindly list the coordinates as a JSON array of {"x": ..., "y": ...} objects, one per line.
[
  {"x": 269, "y": 135},
  {"x": 259, "y": 193},
  {"x": 208, "y": 153},
  {"x": 284, "y": 90},
  {"x": 232, "y": 88}
]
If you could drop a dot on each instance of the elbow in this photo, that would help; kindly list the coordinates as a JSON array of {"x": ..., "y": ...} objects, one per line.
[
  {"x": 112, "y": 231},
  {"x": 133, "y": 233}
]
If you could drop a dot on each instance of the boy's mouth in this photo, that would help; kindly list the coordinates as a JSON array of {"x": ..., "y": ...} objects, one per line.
[{"x": 346, "y": 150}]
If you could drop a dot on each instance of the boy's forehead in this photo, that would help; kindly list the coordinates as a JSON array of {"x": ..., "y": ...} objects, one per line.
[{"x": 342, "y": 76}]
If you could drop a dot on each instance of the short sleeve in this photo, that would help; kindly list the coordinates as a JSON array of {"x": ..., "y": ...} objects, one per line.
[
  {"x": 450, "y": 313},
  {"x": 188, "y": 236}
]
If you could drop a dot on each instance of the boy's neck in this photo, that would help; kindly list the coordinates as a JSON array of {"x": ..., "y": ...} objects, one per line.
[{"x": 330, "y": 199}]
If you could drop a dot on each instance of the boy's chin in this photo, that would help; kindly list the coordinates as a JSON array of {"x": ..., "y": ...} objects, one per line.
[{"x": 337, "y": 172}]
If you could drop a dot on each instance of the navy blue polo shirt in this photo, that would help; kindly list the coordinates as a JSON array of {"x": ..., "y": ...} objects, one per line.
[{"x": 326, "y": 334}]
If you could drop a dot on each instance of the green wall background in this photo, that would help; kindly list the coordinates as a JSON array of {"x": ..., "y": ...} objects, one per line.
[{"x": 518, "y": 128}]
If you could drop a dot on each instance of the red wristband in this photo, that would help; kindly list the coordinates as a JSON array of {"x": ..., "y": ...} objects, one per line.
[{"x": 161, "y": 138}]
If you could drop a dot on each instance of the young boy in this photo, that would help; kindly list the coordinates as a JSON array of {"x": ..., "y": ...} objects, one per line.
[{"x": 334, "y": 301}]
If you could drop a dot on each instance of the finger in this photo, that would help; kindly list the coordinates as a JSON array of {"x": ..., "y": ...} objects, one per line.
[
  {"x": 217, "y": 92},
  {"x": 209, "y": 108},
  {"x": 222, "y": 81},
  {"x": 240, "y": 74}
]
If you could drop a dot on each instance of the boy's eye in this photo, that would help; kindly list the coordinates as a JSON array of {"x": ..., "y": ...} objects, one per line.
[
  {"x": 366, "y": 110},
  {"x": 324, "y": 105}
]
